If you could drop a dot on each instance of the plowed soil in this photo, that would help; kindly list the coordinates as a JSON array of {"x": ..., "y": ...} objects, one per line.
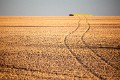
[{"x": 60, "y": 48}]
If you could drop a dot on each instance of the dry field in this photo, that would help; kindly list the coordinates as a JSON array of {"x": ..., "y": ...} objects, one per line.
[{"x": 60, "y": 48}]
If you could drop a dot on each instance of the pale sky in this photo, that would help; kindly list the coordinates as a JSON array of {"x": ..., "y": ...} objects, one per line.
[{"x": 59, "y": 7}]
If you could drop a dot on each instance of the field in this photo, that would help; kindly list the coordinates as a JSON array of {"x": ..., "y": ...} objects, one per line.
[{"x": 60, "y": 48}]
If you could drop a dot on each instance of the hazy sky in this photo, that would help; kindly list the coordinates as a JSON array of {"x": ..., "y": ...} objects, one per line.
[{"x": 58, "y": 7}]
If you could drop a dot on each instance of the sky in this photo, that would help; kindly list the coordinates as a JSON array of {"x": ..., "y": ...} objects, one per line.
[{"x": 59, "y": 7}]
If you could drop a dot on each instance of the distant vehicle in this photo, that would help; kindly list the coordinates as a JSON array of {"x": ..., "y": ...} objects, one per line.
[{"x": 80, "y": 15}]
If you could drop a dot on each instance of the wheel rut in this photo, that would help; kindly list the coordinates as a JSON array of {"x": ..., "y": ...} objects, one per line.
[
  {"x": 84, "y": 42},
  {"x": 32, "y": 70},
  {"x": 79, "y": 58}
]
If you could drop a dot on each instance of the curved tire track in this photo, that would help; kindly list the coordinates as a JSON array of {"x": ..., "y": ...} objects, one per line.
[
  {"x": 92, "y": 49},
  {"x": 77, "y": 58}
]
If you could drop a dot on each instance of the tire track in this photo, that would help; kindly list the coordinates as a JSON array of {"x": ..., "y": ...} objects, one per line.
[
  {"x": 32, "y": 70},
  {"x": 77, "y": 58},
  {"x": 82, "y": 38}
]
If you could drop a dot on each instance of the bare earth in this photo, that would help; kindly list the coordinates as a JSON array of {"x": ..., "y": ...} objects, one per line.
[{"x": 60, "y": 48}]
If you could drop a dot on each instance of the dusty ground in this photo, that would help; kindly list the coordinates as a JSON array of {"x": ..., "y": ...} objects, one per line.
[{"x": 60, "y": 48}]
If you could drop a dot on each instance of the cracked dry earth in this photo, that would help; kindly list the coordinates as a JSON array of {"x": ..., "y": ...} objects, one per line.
[{"x": 60, "y": 48}]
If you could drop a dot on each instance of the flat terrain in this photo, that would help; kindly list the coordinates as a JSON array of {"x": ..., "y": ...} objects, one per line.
[{"x": 60, "y": 48}]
